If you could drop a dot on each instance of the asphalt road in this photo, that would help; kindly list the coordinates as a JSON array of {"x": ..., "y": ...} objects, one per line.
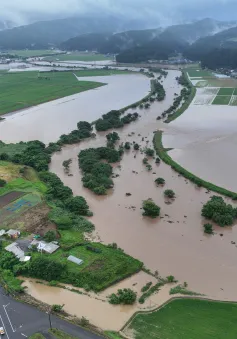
[{"x": 21, "y": 320}]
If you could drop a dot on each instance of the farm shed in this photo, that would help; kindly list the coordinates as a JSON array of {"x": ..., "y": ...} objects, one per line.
[
  {"x": 75, "y": 260},
  {"x": 14, "y": 234},
  {"x": 15, "y": 249}
]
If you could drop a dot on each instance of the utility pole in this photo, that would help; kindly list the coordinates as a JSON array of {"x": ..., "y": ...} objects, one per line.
[{"x": 50, "y": 323}]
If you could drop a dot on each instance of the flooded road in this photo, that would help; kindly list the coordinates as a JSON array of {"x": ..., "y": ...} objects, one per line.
[
  {"x": 173, "y": 244},
  {"x": 46, "y": 122}
]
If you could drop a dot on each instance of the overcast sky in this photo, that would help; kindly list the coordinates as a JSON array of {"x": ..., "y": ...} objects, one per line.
[{"x": 166, "y": 11}]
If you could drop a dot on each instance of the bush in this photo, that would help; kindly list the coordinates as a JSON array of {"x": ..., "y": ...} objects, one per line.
[
  {"x": 125, "y": 296},
  {"x": 208, "y": 228},
  {"x": 171, "y": 279},
  {"x": 149, "y": 152},
  {"x": 44, "y": 268},
  {"x": 145, "y": 161},
  {"x": 84, "y": 322},
  {"x": 57, "y": 308},
  {"x": 2, "y": 183},
  {"x": 127, "y": 145},
  {"x": 136, "y": 147},
  {"x": 146, "y": 287},
  {"x": 50, "y": 236},
  {"x": 169, "y": 194},
  {"x": 157, "y": 160},
  {"x": 160, "y": 181},
  {"x": 220, "y": 212},
  {"x": 77, "y": 205},
  {"x": 4, "y": 156},
  {"x": 150, "y": 209}
]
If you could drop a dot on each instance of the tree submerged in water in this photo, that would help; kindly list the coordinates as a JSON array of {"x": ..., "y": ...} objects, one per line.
[{"x": 150, "y": 209}]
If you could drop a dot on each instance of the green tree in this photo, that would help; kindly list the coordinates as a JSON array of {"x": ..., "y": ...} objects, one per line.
[
  {"x": 77, "y": 205},
  {"x": 136, "y": 147},
  {"x": 50, "y": 236},
  {"x": 160, "y": 181},
  {"x": 4, "y": 156},
  {"x": 124, "y": 296},
  {"x": 208, "y": 228},
  {"x": 127, "y": 145},
  {"x": 217, "y": 210},
  {"x": 2, "y": 182},
  {"x": 45, "y": 268},
  {"x": 150, "y": 209},
  {"x": 169, "y": 194},
  {"x": 149, "y": 152}
]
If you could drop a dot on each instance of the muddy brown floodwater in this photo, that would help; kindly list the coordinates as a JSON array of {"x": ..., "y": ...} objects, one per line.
[
  {"x": 95, "y": 307},
  {"x": 174, "y": 243}
]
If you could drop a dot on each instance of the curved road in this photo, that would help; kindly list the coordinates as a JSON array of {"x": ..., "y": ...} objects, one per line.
[{"x": 22, "y": 320}]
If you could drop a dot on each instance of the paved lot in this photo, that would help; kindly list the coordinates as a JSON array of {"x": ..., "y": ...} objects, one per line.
[{"x": 21, "y": 320}]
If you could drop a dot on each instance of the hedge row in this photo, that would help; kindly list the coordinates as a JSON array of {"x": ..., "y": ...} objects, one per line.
[{"x": 161, "y": 151}]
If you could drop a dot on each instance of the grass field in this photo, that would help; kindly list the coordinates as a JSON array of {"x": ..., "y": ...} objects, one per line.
[
  {"x": 197, "y": 73},
  {"x": 70, "y": 238},
  {"x": 8, "y": 170},
  {"x": 31, "y": 53},
  {"x": 187, "y": 319},
  {"x": 77, "y": 57},
  {"x": 25, "y": 89},
  {"x": 98, "y": 270},
  {"x": 221, "y": 100},
  {"x": 226, "y": 91},
  {"x": 23, "y": 185},
  {"x": 113, "y": 335}
]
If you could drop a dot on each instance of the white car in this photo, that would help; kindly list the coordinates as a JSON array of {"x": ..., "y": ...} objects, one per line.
[{"x": 2, "y": 331}]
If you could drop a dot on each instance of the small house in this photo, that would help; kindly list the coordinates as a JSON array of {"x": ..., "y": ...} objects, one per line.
[
  {"x": 42, "y": 246},
  {"x": 13, "y": 234},
  {"x": 75, "y": 260}
]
